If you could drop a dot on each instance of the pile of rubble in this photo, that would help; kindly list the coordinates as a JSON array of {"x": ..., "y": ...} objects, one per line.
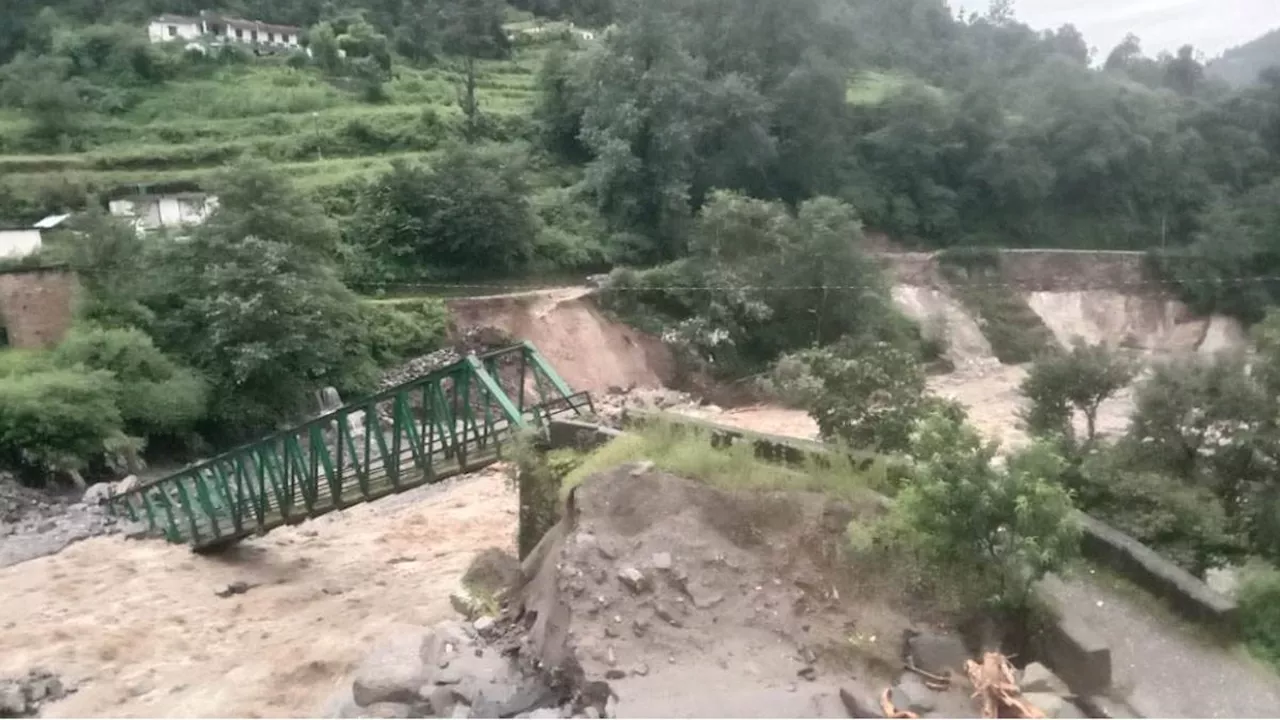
[
  {"x": 475, "y": 340},
  {"x": 24, "y": 696},
  {"x": 613, "y": 406},
  {"x": 35, "y": 523}
]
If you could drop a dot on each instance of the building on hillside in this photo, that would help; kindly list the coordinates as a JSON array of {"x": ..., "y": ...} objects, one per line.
[
  {"x": 215, "y": 29},
  {"x": 20, "y": 242},
  {"x": 163, "y": 210}
]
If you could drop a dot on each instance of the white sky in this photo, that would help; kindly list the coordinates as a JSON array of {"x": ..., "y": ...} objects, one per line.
[{"x": 1211, "y": 25}]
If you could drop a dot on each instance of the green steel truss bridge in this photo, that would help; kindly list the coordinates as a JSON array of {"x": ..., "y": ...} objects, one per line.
[{"x": 452, "y": 421}]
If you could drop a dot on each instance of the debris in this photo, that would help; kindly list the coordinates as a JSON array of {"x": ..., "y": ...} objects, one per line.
[
  {"x": 808, "y": 673},
  {"x": 662, "y": 561},
  {"x": 994, "y": 682},
  {"x": 890, "y": 711},
  {"x": 943, "y": 681},
  {"x": 635, "y": 580},
  {"x": 238, "y": 587}
]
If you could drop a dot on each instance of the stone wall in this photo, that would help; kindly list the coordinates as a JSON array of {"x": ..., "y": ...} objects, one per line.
[
  {"x": 1039, "y": 270},
  {"x": 36, "y": 305}
]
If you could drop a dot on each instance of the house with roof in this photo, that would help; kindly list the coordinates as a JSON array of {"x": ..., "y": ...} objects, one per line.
[
  {"x": 210, "y": 28},
  {"x": 168, "y": 206},
  {"x": 21, "y": 242}
]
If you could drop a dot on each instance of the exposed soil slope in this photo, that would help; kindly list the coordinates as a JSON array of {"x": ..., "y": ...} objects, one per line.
[
  {"x": 589, "y": 351},
  {"x": 1142, "y": 322},
  {"x": 691, "y": 601}
]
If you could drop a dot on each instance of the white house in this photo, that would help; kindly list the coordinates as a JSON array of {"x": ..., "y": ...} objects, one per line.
[
  {"x": 164, "y": 210},
  {"x": 213, "y": 29},
  {"x": 167, "y": 28},
  {"x": 19, "y": 242}
]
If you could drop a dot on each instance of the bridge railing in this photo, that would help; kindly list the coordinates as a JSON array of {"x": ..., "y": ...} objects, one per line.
[{"x": 451, "y": 421}]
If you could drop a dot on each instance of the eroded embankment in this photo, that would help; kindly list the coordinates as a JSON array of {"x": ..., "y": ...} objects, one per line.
[
  {"x": 590, "y": 351},
  {"x": 1101, "y": 297}
]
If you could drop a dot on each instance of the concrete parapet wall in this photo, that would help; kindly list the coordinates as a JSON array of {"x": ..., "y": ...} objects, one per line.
[{"x": 1188, "y": 595}]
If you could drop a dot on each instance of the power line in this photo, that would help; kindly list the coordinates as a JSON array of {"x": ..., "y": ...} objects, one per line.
[{"x": 1029, "y": 286}]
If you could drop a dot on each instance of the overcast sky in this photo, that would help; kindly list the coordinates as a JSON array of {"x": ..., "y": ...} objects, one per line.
[{"x": 1211, "y": 25}]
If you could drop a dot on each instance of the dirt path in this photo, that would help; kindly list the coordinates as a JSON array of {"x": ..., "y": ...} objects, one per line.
[
  {"x": 138, "y": 627},
  {"x": 1162, "y": 666}
]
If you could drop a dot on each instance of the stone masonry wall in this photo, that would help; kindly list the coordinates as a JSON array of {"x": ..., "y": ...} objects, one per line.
[{"x": 36, "y": 306}]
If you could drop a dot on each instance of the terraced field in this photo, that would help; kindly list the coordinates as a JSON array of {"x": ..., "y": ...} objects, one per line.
[{"x": 319, "y": 130}]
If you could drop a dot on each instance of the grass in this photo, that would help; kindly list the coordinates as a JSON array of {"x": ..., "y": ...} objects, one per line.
[
  {"x": 686, "y": 450},
  {"x": 316, "y": 128}
]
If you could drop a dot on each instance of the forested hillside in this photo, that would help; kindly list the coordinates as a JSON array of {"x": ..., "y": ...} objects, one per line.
[
  {"x": 1244, "y": 65},
  {"x": 748, "y": 142}
]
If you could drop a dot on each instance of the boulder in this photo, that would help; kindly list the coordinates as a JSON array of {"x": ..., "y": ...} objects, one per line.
[
  {"x": 394, "y": 671},
  {"x": 492, "y": 573},
  {"x": 1037, "y": 678},
  {"x": 395, "y": 711},
  {"x": 912, "y": 694},
  {"x": 96, "y": 494},
  {"x": 445, "y": 642},
  {"x": 1052, "y": 705},
  {"x": 13, "y": 702},
  {"x": 938, "y": 654}
]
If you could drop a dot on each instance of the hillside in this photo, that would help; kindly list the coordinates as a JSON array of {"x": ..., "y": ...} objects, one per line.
[
  {"x": 1242, "y": 65},
  {"x": 315, "y": 129}
]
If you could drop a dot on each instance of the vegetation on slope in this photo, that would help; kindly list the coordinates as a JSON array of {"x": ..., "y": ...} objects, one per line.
[{"x": 1245, "y": 64}]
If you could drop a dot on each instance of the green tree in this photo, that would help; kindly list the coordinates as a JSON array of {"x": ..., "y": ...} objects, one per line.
[
  {"x": 154, "y": 395},
  {"x": 252, "y": 302},
  {"x": 1000, "y": 529},
  {"x": 58, "y": 421},
  {"x": 468, "y": 213},
  {"x": 1079, "y": 380},
  {"x": 869, "y": 396}
]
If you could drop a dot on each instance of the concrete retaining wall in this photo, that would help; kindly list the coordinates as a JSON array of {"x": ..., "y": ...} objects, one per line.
[{"x": 1190, "y": 596}]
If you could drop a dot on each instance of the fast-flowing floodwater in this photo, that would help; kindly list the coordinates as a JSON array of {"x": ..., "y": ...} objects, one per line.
[{"x": 1212, "y": 26}]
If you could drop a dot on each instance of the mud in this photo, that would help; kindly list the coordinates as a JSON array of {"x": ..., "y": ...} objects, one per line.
[
  {"x": 589, "y": 350},
  {"x": 688, "y": 601},
  {"x": 139, "y": 627}
]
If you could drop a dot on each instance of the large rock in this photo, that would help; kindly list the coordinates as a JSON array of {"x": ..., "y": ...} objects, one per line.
[
  {"x": 96, "y": 494},
  {"x": 493, "y": 573},
  {"x": 1037, "y": 678},
  {"x": 938, "y": 654},
  {"x": 1051, "y": 704},
  {"x": 394, "y": 671},
  {"x": 912, "y": 694},
  {"x": 13, "y": 702}
]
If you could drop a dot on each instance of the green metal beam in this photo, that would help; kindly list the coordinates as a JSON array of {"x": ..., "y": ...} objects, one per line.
[{"x": 447, "y": 422}]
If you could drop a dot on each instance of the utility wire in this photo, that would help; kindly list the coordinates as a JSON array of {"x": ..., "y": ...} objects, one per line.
[{"x": 1070, "y": 285}]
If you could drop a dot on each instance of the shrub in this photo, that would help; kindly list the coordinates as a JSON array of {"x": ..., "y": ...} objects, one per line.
[
  {"x": 1260, "y": 611},
  {"x": 999, "y": 530},
  {"x": 155, "y": 396},
  {"x": 58, "y": 420},
  {"x": 868, "y": 395},
  {"x": 1183, "y": 521},
  {"x": 404, "y": 330}
]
